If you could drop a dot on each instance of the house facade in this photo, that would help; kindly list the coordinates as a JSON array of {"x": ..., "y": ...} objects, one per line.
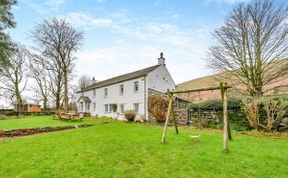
[{"x": 128, "y": 91}]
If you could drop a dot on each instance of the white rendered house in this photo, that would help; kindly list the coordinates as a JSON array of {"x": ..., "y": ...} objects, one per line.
[{"x": 128, "y": 91}]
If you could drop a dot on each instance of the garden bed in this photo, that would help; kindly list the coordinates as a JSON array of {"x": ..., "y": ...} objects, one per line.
[{"x": 32, "y": 131}]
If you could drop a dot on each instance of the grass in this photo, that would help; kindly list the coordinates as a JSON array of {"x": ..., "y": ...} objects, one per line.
[
  {"x": 134, "y": 150},
  {"x": 37, "y": 121}
]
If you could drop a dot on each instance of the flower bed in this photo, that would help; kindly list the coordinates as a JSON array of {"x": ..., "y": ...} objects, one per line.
[{"x": 32, "y": 131}]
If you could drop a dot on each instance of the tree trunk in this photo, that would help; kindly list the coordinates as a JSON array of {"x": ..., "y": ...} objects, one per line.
[
  {"x": 58, "y": 98},
  {"x": 229, "y": 131},
  {"x": 65, "y": 90},
  {"x": 17, "y": 94},
  {"x": 45, "y": 100}
]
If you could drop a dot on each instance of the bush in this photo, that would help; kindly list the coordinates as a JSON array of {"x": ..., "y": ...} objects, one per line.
[
  {"x": 130, "y": 115},
  {"x": 265, "y": 113},
  {"x": 157, "y": 107},
  {"x": 201, "y": 124},
  {"x": 114, "y": 107},
  {"x": 216, "y": 105}
]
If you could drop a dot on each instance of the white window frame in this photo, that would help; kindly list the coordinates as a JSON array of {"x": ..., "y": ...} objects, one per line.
[
  {"x": 136, "y": 83},
  {"x": 105, "y": 92},
  {"x": 87, "y": 107},
  {"x": 122, "y": 108},
  {"x": 110, "y": 108},
  {"x": 94, "y": 93},
  {"x": 106, "y": 108},
  {"x": 136, "y": 109},
  {"x": 121, "y": 89}
]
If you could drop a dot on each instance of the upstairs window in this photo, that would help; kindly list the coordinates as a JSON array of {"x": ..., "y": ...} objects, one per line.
[
  {"x": 94, "y": 92},
  {"x": 136, "y": 86},
  {"x": 121, "y": 89},
  {"x": 105, "y": 92},
  {"x": 136, "y": 108}
]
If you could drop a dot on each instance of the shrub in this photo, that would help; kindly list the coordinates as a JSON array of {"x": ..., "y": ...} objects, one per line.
[
  {"x": 216, "y": 105},
  {"x": 159, "y": 115},
  {"x": 200, "y": 124},
  {"x": 157, "y": 107},
  {"x": 265, "y": 113},
  {"x": 251, "y": 109},
  {"x": 114, "y": 107},
  {"x": 130, "y": 115},
  {"x": 275, "y": 110},
  {"x": 142, "y": 118}
]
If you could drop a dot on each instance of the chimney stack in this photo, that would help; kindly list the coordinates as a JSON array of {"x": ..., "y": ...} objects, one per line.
[
  {"x": 93, "y": 80},
  {"x": 161, "y": 60}
]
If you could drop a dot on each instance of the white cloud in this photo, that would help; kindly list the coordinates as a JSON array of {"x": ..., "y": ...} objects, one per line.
[
  {"x": 140, "y": 46},
  {"x": 84, "y": 20},
  {"x": 104, "y": 63},
  {"x": 44, "y": 7},
  {"x": 55, "y": 4}
]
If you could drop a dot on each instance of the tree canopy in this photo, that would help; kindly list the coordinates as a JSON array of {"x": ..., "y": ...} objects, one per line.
[
  {"x": 252, "y": 45},
  {"x": 6, "y": 21}
]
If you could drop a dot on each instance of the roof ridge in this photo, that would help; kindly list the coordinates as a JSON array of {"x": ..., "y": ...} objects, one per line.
[
  {"x": 128, "y": 73},
  {"x": 117, "y": 79}
]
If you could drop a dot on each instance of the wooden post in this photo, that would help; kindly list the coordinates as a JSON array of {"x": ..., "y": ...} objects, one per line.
[
  {"x": 170, "y": 96},
  {"x": 229, "y": 130},
  {"x": 225, "y": 116}
]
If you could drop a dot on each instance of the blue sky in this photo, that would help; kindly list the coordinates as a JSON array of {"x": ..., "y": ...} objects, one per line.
[{"x": 126, "y": 35}]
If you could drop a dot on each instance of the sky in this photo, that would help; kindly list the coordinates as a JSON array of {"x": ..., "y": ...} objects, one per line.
[
  {"x": 122, "y": 36},
  {"x": 126, "y": 35}
]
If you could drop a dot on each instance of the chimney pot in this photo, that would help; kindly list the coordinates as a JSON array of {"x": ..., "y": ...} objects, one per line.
[{"x": 161, "y": 60}]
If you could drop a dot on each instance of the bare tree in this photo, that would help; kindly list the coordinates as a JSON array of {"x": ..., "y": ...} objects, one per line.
[
  {"x": 13, "y": 76},
  {"x": 56, "y": 85},
  {"x": 58, "y": 41},
  {"x": 84, "y": 81},
  {"x": 252, "y": 45},
  {"x": 41, "y": 77}
]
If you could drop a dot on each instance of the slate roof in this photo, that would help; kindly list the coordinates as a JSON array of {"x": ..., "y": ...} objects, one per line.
[
  {"x": 121, "y": 78},
  {"x": 86, "y": 99}
]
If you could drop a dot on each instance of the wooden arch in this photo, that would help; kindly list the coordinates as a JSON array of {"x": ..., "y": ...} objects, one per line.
[{"x": 223, "y": 90}]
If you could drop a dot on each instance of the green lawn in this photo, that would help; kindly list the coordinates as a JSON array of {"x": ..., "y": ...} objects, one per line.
[
  {"x": 134, "y": 150},
  {"x": 37, "y": 121}
]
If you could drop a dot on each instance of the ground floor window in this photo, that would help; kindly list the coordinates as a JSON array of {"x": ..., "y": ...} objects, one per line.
[
  {"x": 121, "y": 108},
  {"x": 106, "y": 107},
  {"x": 87, "y": 107},
  {"x": 136, "y": 108},
  {"x": 94, "y": 106},
  {"x": 110, "y": 107}
]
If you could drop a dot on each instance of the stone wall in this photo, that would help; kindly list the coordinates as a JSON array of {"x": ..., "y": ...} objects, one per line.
[{"x": 182, "y": 116}]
